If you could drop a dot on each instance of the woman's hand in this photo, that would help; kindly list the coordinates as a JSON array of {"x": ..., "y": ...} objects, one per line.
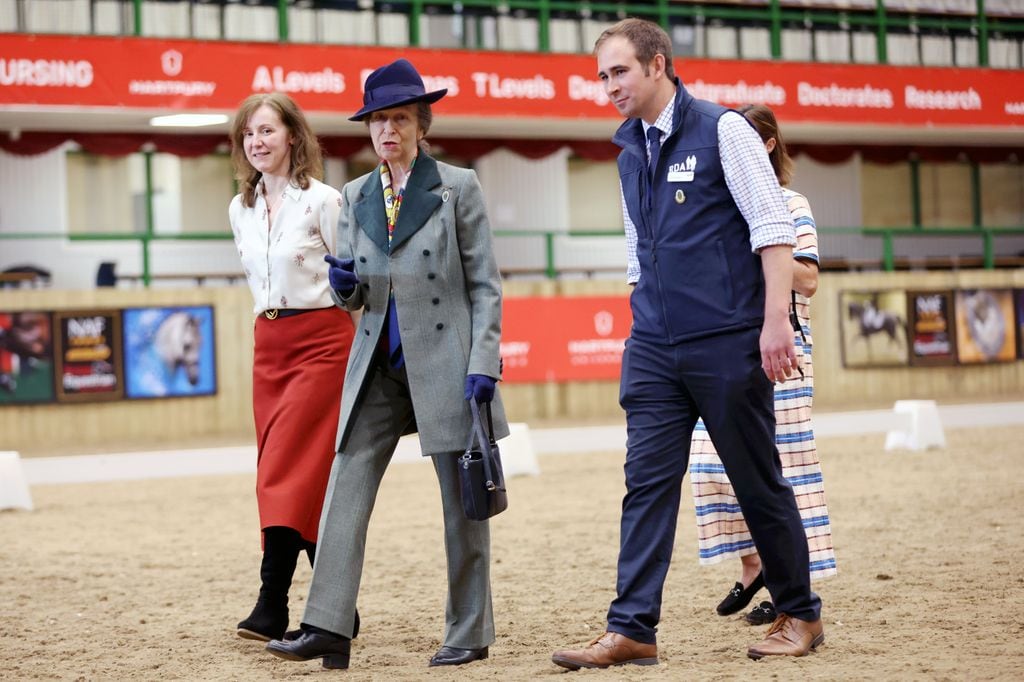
[
  {"x": 341, "y": 275},
  {"x": 481, "y": 387}
]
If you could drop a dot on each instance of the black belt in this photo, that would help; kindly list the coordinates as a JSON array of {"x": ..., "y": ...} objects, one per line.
[{"x": 275, "y": 313}]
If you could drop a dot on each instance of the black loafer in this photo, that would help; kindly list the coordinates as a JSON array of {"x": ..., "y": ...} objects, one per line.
[
  {"x": 449, "y": 655},
  {"x": 739, "y": 597},
  {"x": 762, "y": 614},
  {"x": 310, "y": 645}
]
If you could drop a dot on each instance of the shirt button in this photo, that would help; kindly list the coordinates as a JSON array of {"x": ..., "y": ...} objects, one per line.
[
  {"x": 362, "y": 259},
  {"x": 440, "y": 325},
  {"x": 435, "y": 301},
  {"x": 426, "y": 252},
  {"x": 431, "y": 276},
  {"x": 366, "y": 285},
  {"x": 367, "y": 331},
  {"x": 367, "y": 306}
]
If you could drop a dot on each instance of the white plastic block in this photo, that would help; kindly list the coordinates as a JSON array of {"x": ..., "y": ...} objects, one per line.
[
  {"x": 518, "y": 457},
  {"x": 14, "y": 492},
  {"x": 920, "y": 427}
]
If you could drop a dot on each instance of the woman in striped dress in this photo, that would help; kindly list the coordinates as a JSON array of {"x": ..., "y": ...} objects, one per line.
[{"x": 721, "y": 530}]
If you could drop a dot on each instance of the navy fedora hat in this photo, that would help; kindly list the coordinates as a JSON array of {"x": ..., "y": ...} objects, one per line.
[{"x": 394, "y": 85}]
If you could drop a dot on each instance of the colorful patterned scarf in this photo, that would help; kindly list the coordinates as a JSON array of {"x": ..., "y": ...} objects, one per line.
[{"x": 393, "y": 202}]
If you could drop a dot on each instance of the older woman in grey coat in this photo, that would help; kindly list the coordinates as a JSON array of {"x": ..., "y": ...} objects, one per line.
[{"x": 414, "y": 255}]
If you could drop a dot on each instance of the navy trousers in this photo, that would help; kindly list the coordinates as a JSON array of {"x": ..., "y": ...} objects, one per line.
[{"x": 664, "y": 390}]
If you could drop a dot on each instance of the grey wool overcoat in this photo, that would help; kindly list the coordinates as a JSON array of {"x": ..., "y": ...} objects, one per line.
[{"x": 447, "y": 294}]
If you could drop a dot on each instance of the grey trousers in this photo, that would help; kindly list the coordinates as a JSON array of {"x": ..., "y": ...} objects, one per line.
[{"x": 384, "y": 412}]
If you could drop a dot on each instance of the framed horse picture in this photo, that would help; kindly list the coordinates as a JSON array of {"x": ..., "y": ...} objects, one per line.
[
  {"x": 985, "y": 326},
  {"x": 874, "y": 328},
  {"x": 1018, "y": 300},
  {"x": 169, "y": 352},
  {"x": 26, "y": 357},
  {"x": 87, "y": 354}
]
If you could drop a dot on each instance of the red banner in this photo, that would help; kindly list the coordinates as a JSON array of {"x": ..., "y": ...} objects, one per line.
[
  {"x": 89, "y": 71},
  {"x": 563, "y": 339}
]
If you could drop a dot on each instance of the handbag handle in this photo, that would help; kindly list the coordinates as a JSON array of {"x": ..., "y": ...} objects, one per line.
[{"x": 485, "y": 444}]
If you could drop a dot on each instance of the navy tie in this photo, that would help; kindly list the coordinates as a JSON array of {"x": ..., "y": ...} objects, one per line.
[
  {"x": 395, "y": 356},
  {"x": 654, "y": 136}
]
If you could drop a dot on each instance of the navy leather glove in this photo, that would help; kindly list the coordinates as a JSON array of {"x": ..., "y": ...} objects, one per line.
[
  {"x": 481, "y": 387},
  {"x": 341, "y": 275}
]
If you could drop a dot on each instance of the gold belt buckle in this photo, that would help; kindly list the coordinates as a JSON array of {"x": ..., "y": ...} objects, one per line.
[{"x": 270, "y": 314}]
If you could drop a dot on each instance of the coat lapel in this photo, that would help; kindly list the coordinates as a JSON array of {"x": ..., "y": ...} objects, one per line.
[
  {"x": 418, "y": 202},
  {"x": 369, "y": 211}
]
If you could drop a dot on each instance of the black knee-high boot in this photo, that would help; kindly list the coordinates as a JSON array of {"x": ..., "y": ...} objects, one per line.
[
  {"x": 310, "y": 548},
  {"x": 269, "y": 618}
]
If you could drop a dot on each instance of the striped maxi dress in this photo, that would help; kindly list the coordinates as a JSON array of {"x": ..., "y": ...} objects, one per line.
[{"x": 721, "y": 531}]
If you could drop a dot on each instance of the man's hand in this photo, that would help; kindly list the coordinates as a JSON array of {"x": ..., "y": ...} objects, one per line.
[
  {"x": 778, "y": 354},
  {"x": 341, "y": 275}
]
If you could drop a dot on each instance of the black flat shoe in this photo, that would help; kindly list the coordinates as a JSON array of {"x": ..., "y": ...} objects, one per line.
[
  {"x": 739, "y": 597},
  {"x": 292, "y": 635},
  {"x": 309, "y": 645},
  {"x": 761, "y": 614},
  {"x": 449, "y": 655}
]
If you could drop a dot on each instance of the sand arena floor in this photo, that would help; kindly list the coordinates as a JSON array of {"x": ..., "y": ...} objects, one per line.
[{"x": 146, "y": 580}]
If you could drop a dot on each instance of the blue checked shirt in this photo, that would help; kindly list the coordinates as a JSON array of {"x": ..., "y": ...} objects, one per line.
[{"x": 750, "y": 178}]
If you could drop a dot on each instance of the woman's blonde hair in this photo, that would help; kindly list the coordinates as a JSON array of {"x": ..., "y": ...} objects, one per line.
[{"x": 306, "y": 157}]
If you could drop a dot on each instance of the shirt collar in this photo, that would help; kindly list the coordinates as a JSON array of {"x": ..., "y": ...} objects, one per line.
[
  {"x": 292, "y": 191},
  {"x": 664, "y": 120}
]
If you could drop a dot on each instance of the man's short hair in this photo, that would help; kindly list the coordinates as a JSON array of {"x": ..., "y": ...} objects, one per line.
[{"x": 648, "y": 39}]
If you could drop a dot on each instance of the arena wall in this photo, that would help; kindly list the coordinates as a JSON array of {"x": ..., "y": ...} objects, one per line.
[{"x": 228, "y": 414}]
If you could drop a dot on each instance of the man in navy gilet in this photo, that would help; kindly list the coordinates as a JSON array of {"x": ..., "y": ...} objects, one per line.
[{"x": 712, "y": 238}]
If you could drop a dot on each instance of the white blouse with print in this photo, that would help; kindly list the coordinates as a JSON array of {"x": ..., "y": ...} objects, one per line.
[{"x": 284, "y": 261}]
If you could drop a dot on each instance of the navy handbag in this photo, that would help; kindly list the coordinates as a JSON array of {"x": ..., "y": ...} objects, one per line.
[{"x": 480, "y": 475}]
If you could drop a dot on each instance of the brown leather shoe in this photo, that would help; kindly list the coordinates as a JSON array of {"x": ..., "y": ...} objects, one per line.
[
  {"x": 789, "y": 636},
  {"x": 609, "y": 649}
]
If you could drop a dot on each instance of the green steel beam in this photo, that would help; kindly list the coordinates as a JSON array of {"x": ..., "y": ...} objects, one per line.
[
  {"x": 549, "y": 255},
  {"x": 282, "y": 23},
  {"x": 544, "y": 26},
  {"x": 888, "y": 259},
  {"x": 982, "y": 35},
  {"x": 415, "y": 13},
  {"x": 148, "y": 234},
  {"x": 776, "y": 28},
  {"x": 882, "y": 48},
  {"x": 663, "y": 14}
]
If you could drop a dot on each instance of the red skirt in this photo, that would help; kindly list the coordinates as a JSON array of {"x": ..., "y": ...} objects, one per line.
[{"x": 297, "y": 376}]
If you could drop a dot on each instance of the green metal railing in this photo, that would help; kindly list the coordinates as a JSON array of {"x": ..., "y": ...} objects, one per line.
[
  {"x": 770, "y": 14},
  {"x": 888, "y": 262}
]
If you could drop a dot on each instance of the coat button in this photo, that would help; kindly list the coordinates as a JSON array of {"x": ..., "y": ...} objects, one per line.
[
  {"x": 366, "y": 285},
  {"x": 367, "y": 331},
  {"x": 440, "y": 325},
  {"x": 431, "y": 276},
  {"x": 367, "y": 306},
  {"x": 362, "y": 259},
  {"x": 426, "y": 252},
  {"x": 435, "y": 301}
]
